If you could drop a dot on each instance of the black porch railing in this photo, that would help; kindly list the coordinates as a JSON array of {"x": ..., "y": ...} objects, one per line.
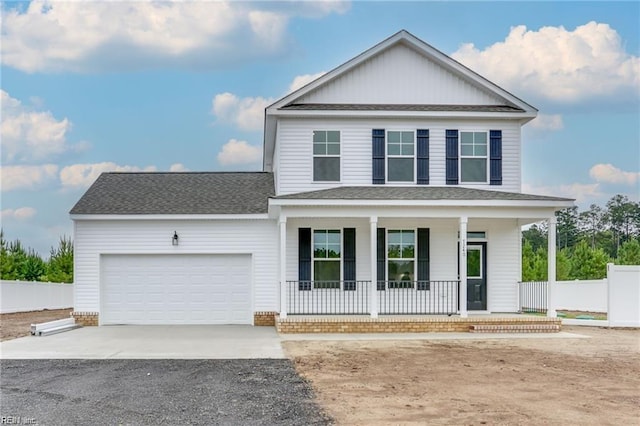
[
  {"x": 328, "y": 297},
  {"x": 533, "y": 296},
  {"x": 354, "y": 297},
  {"x": 418, "y": 297}
]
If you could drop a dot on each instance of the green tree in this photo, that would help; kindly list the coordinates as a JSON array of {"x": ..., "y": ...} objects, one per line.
[
  {"x": 588, "y": 263},
  {"x": 528, "y": 258},
  {"x": 592, "y": 222},
  {"x": 540, "y": 269},
  {"x": 33, "y": 267},
  {"x": 536, "y": 235},
  {"x": 567, "y": 229},
  {"x": 563, "y": 265},
  {"x": 624, "y": 219},
  {"x": 60, "y": 265},
  {"x": 629, "y": 253}
]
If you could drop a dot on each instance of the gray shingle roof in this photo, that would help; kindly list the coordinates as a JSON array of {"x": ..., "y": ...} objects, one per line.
[
  {"x": 177, "y": 193},
  {"x": 402, "y": 107},
  {"x": 385, "y": 192}
]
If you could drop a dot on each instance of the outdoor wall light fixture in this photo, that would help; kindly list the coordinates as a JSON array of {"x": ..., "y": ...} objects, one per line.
[{"x": 174, "y": 240}]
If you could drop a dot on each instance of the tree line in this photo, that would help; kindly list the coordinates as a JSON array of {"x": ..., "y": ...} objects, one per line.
[
  {"x": 586, "y": 241},
  {"x": 20, "y": 263}
]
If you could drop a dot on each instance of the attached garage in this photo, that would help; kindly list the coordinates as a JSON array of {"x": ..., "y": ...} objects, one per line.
[
  {"x": 175, "y": 248},
  {"x": 176, "y": 289}
]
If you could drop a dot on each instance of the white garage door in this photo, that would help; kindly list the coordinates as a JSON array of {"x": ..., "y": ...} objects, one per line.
[{"x": 176, "y": 289}]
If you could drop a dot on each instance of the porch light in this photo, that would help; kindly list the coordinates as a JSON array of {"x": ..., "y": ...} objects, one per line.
[{"x": 174, "y": 240}]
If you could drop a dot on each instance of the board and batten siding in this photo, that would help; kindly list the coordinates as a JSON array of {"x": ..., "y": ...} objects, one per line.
[
  {"x": 400, "y": 75},
  {"x": 294, "y": 147},
  {"x": 256, "y": 237}
]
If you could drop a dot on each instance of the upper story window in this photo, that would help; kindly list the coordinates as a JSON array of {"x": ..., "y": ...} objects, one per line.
[
  {"x": 473, "y": 157},
  {"x": 326, "y": 156},
  {"x": 400, "y": 156},
  {"x": 327, "y": 253}
]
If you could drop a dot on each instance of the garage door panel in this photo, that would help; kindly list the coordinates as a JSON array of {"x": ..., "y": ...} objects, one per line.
[{"x": 176, "y": 289}]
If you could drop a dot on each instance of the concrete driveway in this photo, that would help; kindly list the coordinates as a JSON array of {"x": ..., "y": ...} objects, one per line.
[{"x": 150, "y": 342}]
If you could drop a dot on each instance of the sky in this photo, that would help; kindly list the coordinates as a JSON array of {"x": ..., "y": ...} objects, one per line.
[{"x": 96, "y": 86}]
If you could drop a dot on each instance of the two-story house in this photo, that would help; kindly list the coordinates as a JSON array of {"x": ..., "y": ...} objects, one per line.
[{"x": 390, "y": 185}]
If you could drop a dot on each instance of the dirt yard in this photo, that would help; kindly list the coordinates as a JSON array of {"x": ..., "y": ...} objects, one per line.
[
  {"x": 588, "y": 381},
  {"x": 19, "y": 324}
]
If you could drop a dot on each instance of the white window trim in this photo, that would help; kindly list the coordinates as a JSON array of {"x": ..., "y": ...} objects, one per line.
[
  {"x": 415, "y": 256},
  {"x": 387, "y": 156},
  {"x": 460, "y": 157},
  {"x": 313, "y": 257},
  {"x": 313, "y": 156}
]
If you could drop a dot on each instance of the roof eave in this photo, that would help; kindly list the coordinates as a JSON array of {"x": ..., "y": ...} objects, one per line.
[
  {"x": 557, "y": 204},
  {"x": 418, "y": 114}
]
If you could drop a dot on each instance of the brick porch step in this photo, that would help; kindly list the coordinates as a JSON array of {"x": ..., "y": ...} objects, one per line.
[{"x": 514, "y": 328}]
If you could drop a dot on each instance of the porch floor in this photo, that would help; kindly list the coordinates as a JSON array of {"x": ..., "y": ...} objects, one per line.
[{"x": 487, "y": 323}]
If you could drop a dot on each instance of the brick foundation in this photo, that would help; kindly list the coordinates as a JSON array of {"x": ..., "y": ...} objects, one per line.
[
  {"x": 264, "y": 319},
  {"x": 410, "y": 324},
  {"x": 85, "y": 318}
]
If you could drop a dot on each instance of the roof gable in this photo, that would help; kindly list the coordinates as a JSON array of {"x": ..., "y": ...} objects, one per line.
[{"x": 402, "y": 70}]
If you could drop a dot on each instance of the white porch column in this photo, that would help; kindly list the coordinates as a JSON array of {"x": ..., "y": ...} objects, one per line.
[
  {"x": 463, "y": 266},
  {"x": 373, "y": 255},
  {"x": 283, "y": 266},
  {"x": 551, "y": 269}
]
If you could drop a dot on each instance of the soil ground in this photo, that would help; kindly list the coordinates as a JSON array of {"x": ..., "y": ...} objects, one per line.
[
  {"x": 19, "y": 324},
  {"x": 588, "y": 381}
]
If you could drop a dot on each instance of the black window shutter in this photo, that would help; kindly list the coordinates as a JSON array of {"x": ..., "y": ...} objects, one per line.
[
  {"x": 452, "y": 157},
  {"x": 349, "y": 259},
  {"x": 377, "y": 139},
  {"x": 495, "y": 157},
  {"x": 422, "y": 158},
  {"x": 304, "y": 258},
  {"x": 423, "y": 258},
  {"x": 382, "y": 258}
]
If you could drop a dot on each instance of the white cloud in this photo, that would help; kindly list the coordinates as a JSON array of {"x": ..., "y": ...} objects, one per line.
[
  {"x": 83, "y": 175},
  {"x": 557, "y": 64},
  {"x": 178, "y": 167},
  {"x": 608, "y": 173},
  {"x": 21, "y": 214},
  {"x": 248, "y": 113},
  {"x": 29, "y": 135},
  {"x": 88, "y": 36},
  {"x": 27, "y": 177},
  {"x": 303, "y": 80},
  {"x": 239, "y": 152},
  {"x": 550, "y": 122},
  {"x": 582, "y": 193}
]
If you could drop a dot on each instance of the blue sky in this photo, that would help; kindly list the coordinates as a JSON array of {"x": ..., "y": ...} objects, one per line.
[{"x": 89, "y": 87}]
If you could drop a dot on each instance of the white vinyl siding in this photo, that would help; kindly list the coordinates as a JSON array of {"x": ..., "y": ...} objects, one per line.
[
  {"x": 400, "y": 75},
  {"x": 295, "y": 159},
  {"x": 257, "y": 238}
]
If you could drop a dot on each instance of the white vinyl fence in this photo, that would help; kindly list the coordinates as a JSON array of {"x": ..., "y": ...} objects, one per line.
[
  {"x": 618, "y": 295},
  {"x": 24, "y": 296}
]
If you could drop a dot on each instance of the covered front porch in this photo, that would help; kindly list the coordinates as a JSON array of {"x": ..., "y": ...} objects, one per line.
[{"x": 454, "y": 256}]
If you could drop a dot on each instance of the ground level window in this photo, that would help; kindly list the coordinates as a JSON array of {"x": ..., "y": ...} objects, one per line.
[
  {"x": 327, "y": 255},
  {"x": 401, "y": 255}
]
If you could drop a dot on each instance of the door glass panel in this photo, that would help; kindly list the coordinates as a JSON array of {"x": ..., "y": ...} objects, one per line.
[{"x": 474, "y": 262}]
